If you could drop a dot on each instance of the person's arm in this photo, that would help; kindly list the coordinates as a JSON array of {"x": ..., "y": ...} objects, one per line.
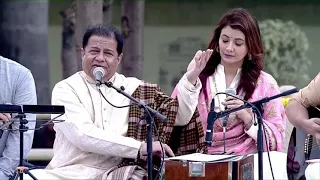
[
  {"x": 297, "y": 114},
  {"x": 296, "y": 109},
  {"x": 188, "y": 89},
  {"x": 25, "y": 94},
  {"x": 187, "y": 96},
  {"x": 80, "y": 130}
]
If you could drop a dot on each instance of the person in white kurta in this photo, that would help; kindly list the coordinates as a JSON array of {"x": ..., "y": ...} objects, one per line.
[
  {"x": 93, "y": 137},
  {"x": 89, "y": 143}
]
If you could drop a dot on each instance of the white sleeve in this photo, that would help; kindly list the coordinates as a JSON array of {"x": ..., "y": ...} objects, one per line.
[{"x": 187, "y": 95}]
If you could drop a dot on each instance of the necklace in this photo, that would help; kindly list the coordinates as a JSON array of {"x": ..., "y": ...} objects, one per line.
[
  {"x": 232, "y": 118},
  {"x": 216, "y": 89}
]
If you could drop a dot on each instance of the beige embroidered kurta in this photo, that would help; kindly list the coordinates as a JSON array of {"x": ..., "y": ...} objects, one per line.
[
  {"x": 310, "y": 96},
  {"x": 92, "y": 138}
]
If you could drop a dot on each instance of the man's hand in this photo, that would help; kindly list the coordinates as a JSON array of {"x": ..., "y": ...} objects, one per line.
[
  {"x": 156, "y": 149},
  {"x": 4, "y": 117},
  {"x": 312, "y": 126}
]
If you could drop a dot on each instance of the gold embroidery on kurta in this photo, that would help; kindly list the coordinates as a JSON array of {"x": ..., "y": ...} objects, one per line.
[{"x": 271, "y": 113}]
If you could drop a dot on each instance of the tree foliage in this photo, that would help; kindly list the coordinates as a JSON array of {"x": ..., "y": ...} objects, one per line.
[{"x": 285, "y": 46}]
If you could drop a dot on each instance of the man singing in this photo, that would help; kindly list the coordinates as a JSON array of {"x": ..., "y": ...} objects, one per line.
[{"x": 97, "y": 136}]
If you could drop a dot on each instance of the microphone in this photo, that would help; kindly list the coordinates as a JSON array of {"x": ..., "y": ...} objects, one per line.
[
  {"x": 98, "y": 73},
  {"x": 233, "y": 92},
  {"x": 210, "y": 121}
]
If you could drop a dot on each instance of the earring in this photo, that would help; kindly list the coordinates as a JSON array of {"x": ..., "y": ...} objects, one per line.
[
  {"x": 249, "y": 56},
  {"x": 217, "y": 49}
]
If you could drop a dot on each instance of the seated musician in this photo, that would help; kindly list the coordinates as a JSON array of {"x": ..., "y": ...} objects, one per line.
[
  {"x": 298, "y": 115},
  {"x": 236, "y": 62},
  {"x": 18, "y": 88},
  {"x": 96, "y": 137}
]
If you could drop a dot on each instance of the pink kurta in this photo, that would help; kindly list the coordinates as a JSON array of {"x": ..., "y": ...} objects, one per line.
[{"x": 238, "y": 141}]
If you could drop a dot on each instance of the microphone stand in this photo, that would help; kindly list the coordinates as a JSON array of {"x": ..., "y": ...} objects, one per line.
[
  {"x": 21, "y": 168},
  {"x": 224, "y": 124},
  {"x": 22, "y": 128},
  {"x": 21, "y": 110},
  {"x": 151, "y": 113},
  {"x": 258, "y": 110}
]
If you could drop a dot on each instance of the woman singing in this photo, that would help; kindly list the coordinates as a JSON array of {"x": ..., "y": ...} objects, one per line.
[{"x": 234, "y": 60}]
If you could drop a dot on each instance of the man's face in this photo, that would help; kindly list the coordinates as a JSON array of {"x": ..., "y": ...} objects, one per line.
[{"x": 101, "y": 52}]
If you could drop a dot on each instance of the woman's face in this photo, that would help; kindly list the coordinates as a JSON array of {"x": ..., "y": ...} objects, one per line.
[{"x": 232, "y": 46}]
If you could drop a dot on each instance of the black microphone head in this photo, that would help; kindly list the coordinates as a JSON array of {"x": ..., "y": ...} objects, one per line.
[{"x": 98, "y": 73}]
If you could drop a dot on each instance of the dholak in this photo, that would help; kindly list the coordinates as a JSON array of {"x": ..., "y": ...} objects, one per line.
[{"x": 239, "y": 169}]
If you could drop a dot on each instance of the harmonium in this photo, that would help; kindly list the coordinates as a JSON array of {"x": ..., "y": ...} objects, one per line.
[{"x": 199, "y": 166}]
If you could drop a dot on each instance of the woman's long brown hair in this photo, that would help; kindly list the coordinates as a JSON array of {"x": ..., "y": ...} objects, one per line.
[{"x": 242, "y": 20}]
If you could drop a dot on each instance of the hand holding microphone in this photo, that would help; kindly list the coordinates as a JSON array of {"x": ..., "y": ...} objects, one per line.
[{"x": 232, "y": 103}]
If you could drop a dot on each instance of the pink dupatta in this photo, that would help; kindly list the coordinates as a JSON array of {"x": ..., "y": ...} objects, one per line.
[{"x": 237, "y": 140}]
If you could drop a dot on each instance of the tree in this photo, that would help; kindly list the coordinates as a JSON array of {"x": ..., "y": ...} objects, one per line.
[
  {"x": 107, "y": 11},
  {"x": 286, "y": 47},
  {"x": 88, "y": 13},
  {"x": 24, "y": 38},
  {"x": 68, "y": 53},
  {"x": 132, "y": 23}
]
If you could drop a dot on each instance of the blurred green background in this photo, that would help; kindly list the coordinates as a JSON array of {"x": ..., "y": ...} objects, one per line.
[{"x": 188, "y": 25}]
